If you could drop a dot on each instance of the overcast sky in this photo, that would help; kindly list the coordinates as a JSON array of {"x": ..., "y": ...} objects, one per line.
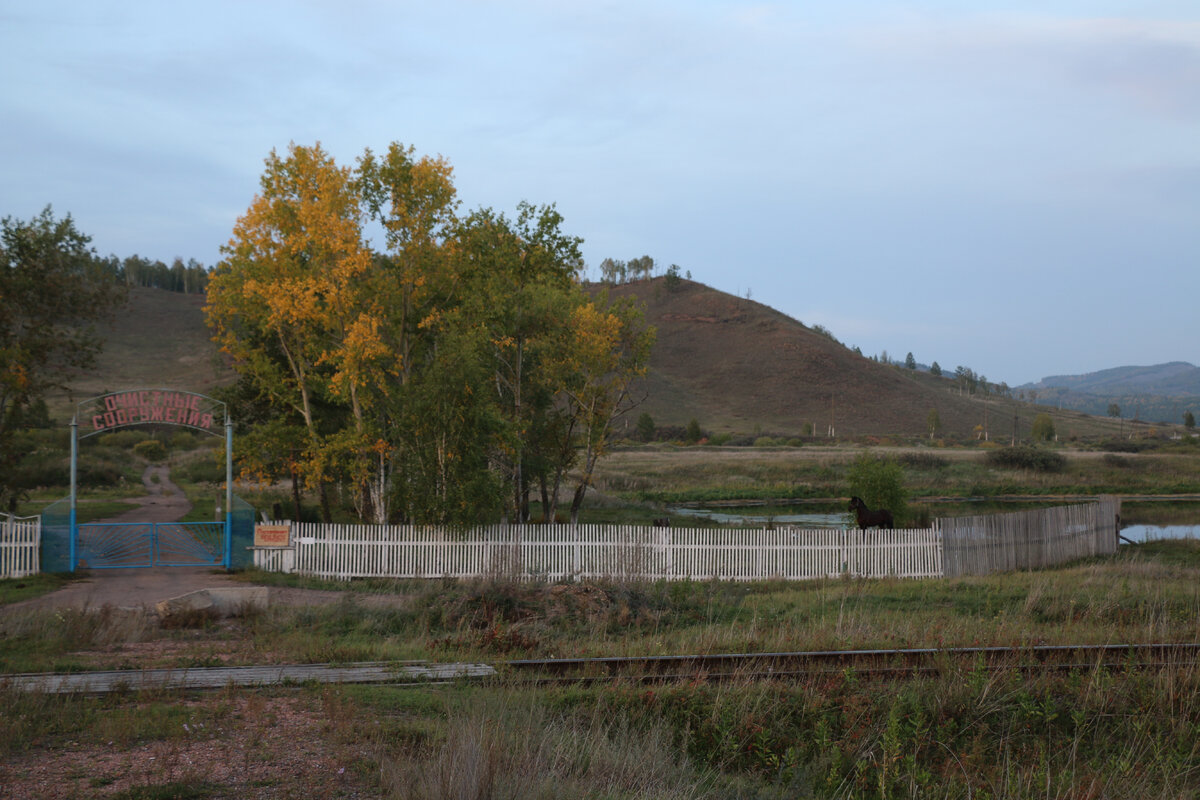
[{"x": 1016, "y": 190}]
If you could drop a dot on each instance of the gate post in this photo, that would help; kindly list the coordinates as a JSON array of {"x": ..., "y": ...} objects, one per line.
[
  {"x": 228, "y": 559},
  {"x": 74, "y": 459}
]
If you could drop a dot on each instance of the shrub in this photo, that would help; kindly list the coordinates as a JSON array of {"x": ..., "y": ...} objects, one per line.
[
  {"x": 1023, "y": 456},
  {"x": 923, "y": 461},
  {"x": 1043, "y": 428},
  {"x": 125, "y": 439},
  {"x": 151, "y": 450},
  {"x": 184, "y": 440},
  {"x": 202, "y": 470},
  {"x": 880, "y": 484}
]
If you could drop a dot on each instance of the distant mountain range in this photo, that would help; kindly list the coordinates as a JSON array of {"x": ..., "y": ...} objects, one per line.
[{"x": 1159, "y": 393}]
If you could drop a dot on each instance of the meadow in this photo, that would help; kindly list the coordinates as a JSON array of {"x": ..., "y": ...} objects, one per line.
[{"x": 962, "y": 731}]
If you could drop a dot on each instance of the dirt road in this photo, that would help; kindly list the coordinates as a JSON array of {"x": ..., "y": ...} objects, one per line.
[{"x": 135, "y": 588}]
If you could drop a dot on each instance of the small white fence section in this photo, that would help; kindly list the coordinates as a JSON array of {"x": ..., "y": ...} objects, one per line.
[
  {"x": 20, "y": 546},
  {"x": 602, "y": 551}
]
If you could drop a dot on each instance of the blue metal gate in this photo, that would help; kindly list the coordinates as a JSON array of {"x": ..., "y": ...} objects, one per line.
[{"x": 150, "y": 544}]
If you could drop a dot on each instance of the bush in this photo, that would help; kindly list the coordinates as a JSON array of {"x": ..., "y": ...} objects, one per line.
[
  {"x": 124, "y": 439},
  {"x": 184, "y": 440},
  {"x": 1043, "y": 428},
  {"x": 1027, "y": 457},
  {"x": 880, "y": 484},
  {"x": 923, "y": 461},
  {"x": 151, "y": 450},
  {"x": 202, "y": 470}
]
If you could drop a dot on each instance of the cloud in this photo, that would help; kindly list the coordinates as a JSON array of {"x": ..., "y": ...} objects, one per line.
[{"x": 1151, "y": 64}]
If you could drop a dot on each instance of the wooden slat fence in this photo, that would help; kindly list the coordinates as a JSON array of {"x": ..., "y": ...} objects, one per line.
[
  {"x": 20, "y": 546},
  {"x": 603, "y": 551},
  {"x": 1028, "y": 539}
]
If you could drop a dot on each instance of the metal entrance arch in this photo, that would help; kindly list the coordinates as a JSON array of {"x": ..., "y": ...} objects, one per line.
[{"x": 108, "y": 546}]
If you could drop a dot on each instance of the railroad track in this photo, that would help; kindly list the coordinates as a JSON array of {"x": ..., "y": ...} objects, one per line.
[
  {"x": 893, "y": 663},
  {"x": 883, "y": 664}
]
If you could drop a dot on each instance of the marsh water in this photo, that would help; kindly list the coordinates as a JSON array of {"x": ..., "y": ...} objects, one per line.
[
  {"x": 757, "y": 518},
  {"x": 760, "y": 516},
  {"x": 1153, "y": 533}
]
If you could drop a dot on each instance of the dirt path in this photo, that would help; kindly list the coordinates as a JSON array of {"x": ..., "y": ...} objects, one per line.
[
  {"x": 136, "y": 588},
  {"x": 146, "y": 587},
  {"x": 163, "y": 501}
]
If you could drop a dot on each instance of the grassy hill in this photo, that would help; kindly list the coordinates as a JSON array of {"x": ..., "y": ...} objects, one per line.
[
  {"x": 735, "y": 365},
  {"x": 158, "y": 340}
]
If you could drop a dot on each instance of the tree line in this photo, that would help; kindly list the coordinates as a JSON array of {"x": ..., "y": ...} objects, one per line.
[
  {"x": 443, "y": 377},
  {"x": 54, "y": 288},
  {"x": 190, "y": 277}
]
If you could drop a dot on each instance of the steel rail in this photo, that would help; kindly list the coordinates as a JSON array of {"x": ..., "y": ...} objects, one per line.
[
  {"x": 898, "y": 663},
  {"x": 881, "y": 661}
]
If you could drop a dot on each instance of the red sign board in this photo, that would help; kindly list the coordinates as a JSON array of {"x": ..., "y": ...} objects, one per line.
[
  {"x": 144, "y": 406},
  {"x": 272, "y": 535}
]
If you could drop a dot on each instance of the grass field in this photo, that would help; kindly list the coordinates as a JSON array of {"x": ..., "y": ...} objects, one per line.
[{"x": 963, "y": 732}]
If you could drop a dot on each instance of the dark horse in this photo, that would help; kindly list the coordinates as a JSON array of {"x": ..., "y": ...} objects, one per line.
[{"x": 868, "y": 518}]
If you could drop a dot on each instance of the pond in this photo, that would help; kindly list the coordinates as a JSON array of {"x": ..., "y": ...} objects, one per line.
[
  {"x": 747, "y": 518},
  {"x": 1153, "y": 533},
  {"x": 754, "y": 517}
]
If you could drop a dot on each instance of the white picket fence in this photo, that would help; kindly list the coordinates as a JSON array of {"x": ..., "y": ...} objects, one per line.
[
  {"x": 20, "y": 546},
  {"x": 602, "y": 551}
]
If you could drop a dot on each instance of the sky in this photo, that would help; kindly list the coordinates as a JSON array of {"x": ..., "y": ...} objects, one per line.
[{"x": 1011, "y": 186}]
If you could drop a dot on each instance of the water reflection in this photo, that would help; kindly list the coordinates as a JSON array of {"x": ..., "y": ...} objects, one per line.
[
  {"x": 758, "y": 520},
  {"x": 1152, "y": 533}
]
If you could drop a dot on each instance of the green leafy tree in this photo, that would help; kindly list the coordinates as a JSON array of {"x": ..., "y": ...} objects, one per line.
[
  {"x": 53, "y": 289},
  {"x": 910, "y": 361},
  {"x": 880, "y": 484},
  {"x": 933, "y": 423},
  {"x": 673, "y": 279},
  {"x": 693, "y": 433},
  {"x": 520, "y": 282},
  {"x": 935, "y": 369},
  {"x": 1043, "y": 428},
  {"x": 644, "y": 430},
  {"x": 1189, "y": 421}
]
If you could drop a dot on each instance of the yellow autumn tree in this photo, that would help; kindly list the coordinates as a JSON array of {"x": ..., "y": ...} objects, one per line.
[{"x": 281, "y": 300}]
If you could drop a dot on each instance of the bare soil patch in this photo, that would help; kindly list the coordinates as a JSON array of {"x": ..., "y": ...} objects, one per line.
[{"x": 258, "y": 747}]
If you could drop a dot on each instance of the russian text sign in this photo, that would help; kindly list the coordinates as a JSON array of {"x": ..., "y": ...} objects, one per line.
[
  {"x": 272, "y": 535},
  {"x": 151, "y": 406}
]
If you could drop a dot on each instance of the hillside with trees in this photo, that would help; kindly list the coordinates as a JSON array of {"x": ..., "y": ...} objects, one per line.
[
  {"x": 739, "y": 367},
  {"x": 1159, "y": 393}
]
